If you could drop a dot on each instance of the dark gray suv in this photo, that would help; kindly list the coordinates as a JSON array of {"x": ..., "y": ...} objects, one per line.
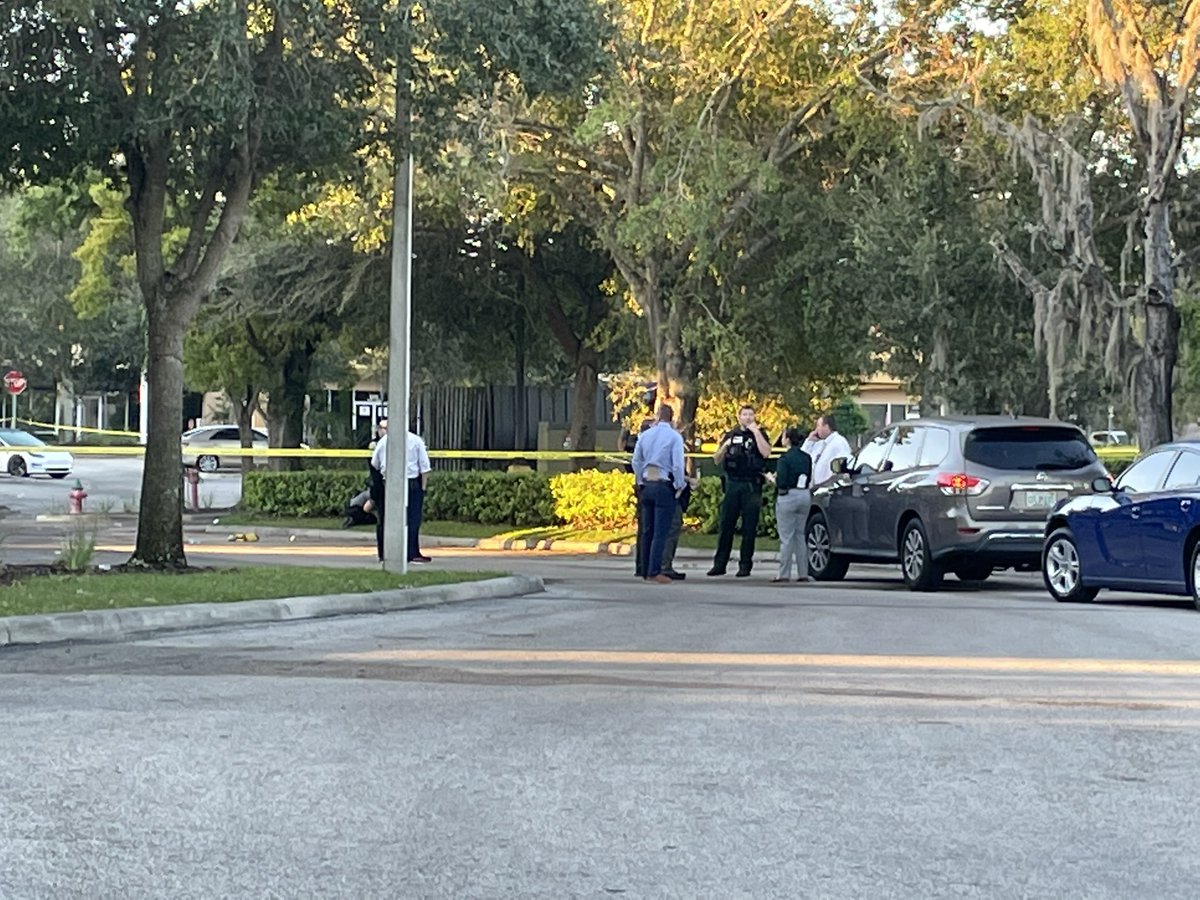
[{"x": 964, "y": 495}]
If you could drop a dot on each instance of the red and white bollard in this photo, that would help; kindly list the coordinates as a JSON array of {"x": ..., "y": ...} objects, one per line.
[
  {"x": 75, "y": 499},
  {"x": 191, "y": 474}
]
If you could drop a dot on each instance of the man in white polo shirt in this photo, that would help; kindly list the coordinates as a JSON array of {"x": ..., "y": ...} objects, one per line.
[{"x": 825, "y": 444}]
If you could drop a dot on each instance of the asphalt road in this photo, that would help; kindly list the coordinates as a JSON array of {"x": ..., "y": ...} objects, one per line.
[{"x": 716, "y": 738}]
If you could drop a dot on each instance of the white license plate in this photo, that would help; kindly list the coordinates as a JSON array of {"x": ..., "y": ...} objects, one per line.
[{"x": 1037, "y": 499}]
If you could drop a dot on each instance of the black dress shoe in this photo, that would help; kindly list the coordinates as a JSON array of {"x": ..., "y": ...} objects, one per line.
[
  {"x": 422, "y": 559},
  {"x": 675, "y": 576},
  {"x": 713, "y": 573},
  {"x": 743, "y": 573}
]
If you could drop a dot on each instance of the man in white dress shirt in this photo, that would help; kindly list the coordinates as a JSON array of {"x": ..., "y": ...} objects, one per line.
[
  {"x": 825, "y": 444},
  {"x": 417, "y": 471}
]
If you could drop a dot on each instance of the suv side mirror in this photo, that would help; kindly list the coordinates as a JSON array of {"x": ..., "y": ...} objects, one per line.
[
  {"x": 1103, "y": 486},
  {"x": 838, "y": 466}
]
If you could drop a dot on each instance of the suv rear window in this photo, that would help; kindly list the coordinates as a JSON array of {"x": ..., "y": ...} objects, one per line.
[{"x": 1029, "y": 447}]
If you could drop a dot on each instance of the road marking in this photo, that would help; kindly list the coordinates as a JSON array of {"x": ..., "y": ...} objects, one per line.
[{"x": 1083, "y": 666}]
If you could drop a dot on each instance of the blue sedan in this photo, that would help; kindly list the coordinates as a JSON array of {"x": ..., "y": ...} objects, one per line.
[{"x": 1141, "y": 533}]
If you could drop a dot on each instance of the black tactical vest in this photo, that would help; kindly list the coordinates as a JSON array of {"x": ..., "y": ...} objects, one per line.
[{"x": 742, "y": 459}]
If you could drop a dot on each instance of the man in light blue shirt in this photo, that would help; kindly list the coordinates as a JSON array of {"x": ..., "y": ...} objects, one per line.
[{"x": 658, "y": 471}]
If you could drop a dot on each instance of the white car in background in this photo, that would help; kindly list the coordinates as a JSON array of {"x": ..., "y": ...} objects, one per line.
[
  {"x": 202, "y": 446},
  {"x": 22, "y": 454},
  {"x": 1110, "y": 439}
]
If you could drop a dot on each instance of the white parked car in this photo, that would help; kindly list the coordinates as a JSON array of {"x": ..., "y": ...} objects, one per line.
[
  {"x": 202, "y": 446},
  {"x": 22, "y": 454},
  {"x": 1110, "y": 439}
]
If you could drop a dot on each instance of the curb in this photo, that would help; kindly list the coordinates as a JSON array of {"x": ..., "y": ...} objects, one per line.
[
  {"x": 117, "y": 624},
  {"x": 81, "y": 518},
  {"x": 613, "y": 548}
]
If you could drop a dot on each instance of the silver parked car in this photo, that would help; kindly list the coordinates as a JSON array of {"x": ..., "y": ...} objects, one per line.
[
  {"x": 964, "y": 495},
  {"x": 211, "y": 446}
]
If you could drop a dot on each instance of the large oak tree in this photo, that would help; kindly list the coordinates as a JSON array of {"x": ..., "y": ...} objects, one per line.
[{"x": 186, "y": 107}]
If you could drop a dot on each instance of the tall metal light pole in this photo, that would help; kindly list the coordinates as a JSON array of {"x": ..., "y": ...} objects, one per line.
[{"x": 395, "y": 528}]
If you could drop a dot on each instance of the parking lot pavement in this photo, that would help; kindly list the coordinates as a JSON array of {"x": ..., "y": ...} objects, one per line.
[
  {"x": 718, "y": 737},
  {"x": 113, "y": 485}
]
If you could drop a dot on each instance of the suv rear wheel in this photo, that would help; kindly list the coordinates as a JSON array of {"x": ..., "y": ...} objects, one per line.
[
  {"x": 822, "y": 564},
  {"x": 921, "y": 572}
]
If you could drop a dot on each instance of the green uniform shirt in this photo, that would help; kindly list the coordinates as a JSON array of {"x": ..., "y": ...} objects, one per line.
[{"x": 791, "y": 466}]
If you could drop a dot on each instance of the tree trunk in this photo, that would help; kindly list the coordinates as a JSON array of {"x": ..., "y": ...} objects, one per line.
[
  {"x": 520, "y": 398},
  {"x": 1152, "y": 378},
  {"x": 583, "y": 415},
  {"x": 928, "y": 404},
  {"x": 160, "y": 513},
  {"x": 285, "y": 411},
  {"x": 677, "y": 373},
  {"x": 586, "y": 363},
  {"x": 246, "y": 400},
  {"x": 677, "y": 369}
]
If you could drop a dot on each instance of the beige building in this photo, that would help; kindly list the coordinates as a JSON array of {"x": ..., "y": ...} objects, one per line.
[{"x": 885, "y": 401}]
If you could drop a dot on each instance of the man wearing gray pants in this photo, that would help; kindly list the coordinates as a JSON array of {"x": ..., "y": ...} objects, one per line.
[{"x": 793, "y": 500}]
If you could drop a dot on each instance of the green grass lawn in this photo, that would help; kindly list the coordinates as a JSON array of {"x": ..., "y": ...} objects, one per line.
[
  {"x": 438, "y": 528},
  {"x": 64, "y": 593}
]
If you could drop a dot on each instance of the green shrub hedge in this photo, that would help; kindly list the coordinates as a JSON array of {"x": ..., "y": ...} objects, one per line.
[
  {"x": 523, "y": 499},
  {"x": 315, "y": 492},
  {"x": 593, "y": 499},
  {"x": 589, "y": 499},
  {"x": 1117, "y": 466},
  {"x": 706, "y": 507},
  {"x": 604, "y": 500}
]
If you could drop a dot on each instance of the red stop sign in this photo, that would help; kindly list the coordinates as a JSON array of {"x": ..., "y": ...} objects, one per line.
[{"x": 14, "y": 382}]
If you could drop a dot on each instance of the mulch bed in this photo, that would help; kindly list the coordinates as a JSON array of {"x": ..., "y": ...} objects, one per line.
[{"x": 13, "y": 574}]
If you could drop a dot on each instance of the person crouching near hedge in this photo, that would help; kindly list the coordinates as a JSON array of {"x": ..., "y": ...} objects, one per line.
[
  {"x": 658, "y": 472},
  {"x": 793, "y": 500}
]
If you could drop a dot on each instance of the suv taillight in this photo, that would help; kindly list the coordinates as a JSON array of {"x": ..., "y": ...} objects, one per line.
[{"x": 953, "y": 483}]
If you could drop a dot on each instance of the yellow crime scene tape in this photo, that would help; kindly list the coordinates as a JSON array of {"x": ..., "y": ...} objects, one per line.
[
  {"x": 79, "y": 429},
  {"x": 350, "y": 453},
  {"x": 1112, "y": 453}
]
